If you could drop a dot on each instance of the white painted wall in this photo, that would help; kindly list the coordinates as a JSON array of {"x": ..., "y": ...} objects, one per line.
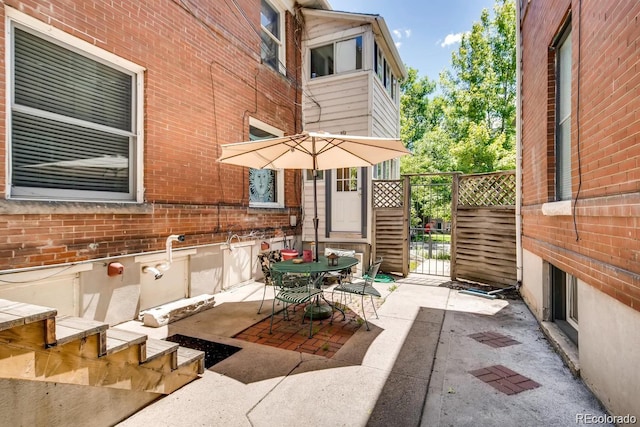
[
  {"x": 609, "y": 348},
  {"x": 532, "y": 283}
]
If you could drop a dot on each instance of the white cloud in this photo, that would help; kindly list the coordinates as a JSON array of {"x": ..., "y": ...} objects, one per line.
[
  {"x": 451, "y": 39},
  {"x": 399, "y": 33}
]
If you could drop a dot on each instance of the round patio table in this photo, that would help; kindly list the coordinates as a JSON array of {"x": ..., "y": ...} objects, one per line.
[{"x": 317, "y": 271}]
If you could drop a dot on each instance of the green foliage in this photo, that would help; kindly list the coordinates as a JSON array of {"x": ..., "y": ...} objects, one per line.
[{"x": 470, "y": 125}]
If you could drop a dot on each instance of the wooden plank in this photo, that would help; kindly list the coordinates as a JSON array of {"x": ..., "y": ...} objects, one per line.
[
  {"x": 29, "y": 312},
  {"x": 70, "y": 328},
  {"x": 119, "y": 339}
]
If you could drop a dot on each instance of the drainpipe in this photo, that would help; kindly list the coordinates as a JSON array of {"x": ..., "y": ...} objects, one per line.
[
  {"x": 167, "y": 263},
  {"x": 519, "y": 250}
]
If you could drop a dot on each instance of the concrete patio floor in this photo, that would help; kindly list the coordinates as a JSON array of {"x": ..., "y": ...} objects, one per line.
[{"x": 434, "y": 358}]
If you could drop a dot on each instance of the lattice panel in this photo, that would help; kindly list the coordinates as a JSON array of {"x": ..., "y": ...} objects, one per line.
[
  {"x": 388, "y": 194},
  {"x": 487, "y": 190}
]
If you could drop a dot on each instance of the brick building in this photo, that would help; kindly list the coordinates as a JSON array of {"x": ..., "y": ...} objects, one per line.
[
  {"x": 580, "y": 173},
  {"x": 111, "y": 139},
  {"x": 113, "y": 199}
]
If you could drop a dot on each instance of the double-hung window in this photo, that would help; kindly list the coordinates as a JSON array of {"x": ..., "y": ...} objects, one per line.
[
  {"x": 266, "y": 186},
  {"x": 272, "y": 29},
  {"x": 73, "y": 120},
  {"x": 339, "y": 57},
  {"x": 563, "y": 117}
]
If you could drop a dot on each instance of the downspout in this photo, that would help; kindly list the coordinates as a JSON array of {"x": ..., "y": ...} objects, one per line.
[{"x": 519, "y": 251}]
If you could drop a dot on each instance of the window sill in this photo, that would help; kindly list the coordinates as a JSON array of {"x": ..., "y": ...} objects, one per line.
[
  {"x": 25, "y": 207},
  {"x": 266, "y": 209},
  {"x": 562, "y": 208}
]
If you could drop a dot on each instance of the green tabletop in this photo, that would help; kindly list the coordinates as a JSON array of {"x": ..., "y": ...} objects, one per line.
[{"x": 321, "y": 266}]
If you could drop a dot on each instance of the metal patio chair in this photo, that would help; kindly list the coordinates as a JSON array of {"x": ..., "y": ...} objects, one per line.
[
  {"x": 266, "y": 259},
  {"x": 361, "y": 287},
  {"x": 290, "y": 289}
]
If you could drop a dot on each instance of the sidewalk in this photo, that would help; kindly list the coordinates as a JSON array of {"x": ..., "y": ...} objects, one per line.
[{"x": 432, "y": 359}]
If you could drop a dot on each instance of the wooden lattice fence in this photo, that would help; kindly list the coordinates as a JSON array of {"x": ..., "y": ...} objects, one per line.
[
  {"x": 485, "y": 229},
  {"x": 391, "y": 225}
]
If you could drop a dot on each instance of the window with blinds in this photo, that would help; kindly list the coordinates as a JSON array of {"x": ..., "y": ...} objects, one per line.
[{"x": 73, "y": 130}]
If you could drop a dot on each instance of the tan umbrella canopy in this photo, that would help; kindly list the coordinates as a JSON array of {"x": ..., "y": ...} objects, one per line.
[{"x": 315, "y": 151}]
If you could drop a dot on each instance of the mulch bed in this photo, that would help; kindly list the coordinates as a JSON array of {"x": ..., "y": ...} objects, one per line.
[{"x": 214, "y": 352}]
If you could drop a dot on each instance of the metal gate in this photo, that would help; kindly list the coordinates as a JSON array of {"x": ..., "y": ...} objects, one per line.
[{"x": 430, "y": 221}]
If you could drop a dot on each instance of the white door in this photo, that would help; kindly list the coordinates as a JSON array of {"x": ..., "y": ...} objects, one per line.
[{"x": 346, "y": 200}]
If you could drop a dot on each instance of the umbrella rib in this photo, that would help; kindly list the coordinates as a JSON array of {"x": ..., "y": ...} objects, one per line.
[{"x": 332, "y": 144}]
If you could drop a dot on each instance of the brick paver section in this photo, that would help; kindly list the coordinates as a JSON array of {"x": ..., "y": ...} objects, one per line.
[
  {"x": 494, "y": 339},
  {"x": 504, "y": 379},
  {"x": 293, "y": 335}
]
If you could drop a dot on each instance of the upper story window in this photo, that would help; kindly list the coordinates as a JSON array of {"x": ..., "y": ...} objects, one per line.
[
  {"x": 384, "y": 72},
  {"x": 74, "y": 118},
  {"x": 389, "y": 169},
  {"x": 272, "y": 49},
  {"x": 266, "y": 186},
  {"x": 563, "y": 117},
  {"x": 337, "y": 57}
]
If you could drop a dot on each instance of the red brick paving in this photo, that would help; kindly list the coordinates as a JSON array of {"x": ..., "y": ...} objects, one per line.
[
  {"x": 293, "y": 335},
  {"x": 494, "y": 339},
  {"x": 504, "y": 379}
]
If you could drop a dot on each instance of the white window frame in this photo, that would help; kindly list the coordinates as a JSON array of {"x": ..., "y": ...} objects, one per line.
[
  {"x": 15, "y": 18},
  {"x": 337, "y": 44},
  {"x": 563, "y": 187},
  {"x": 279, "y": 172},
  {"x": 282, "y": 54}
]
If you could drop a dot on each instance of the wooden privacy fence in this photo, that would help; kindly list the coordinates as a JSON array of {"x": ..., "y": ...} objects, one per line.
[
  {"x": 485, "y": 229},
  {"x": 391, "y": 225}
]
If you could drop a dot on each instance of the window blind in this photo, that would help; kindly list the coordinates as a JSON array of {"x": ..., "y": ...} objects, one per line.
[{"x": 71, "y": 121}]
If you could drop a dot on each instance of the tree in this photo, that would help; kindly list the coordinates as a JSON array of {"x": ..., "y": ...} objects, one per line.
[
  {"x": 470, "y": 125},
  {"x": 480, "y": 91}
]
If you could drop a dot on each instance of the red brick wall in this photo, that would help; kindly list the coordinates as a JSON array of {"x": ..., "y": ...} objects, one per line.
[
  {"x": 605, "y": 250},
  {"x": 203, "y": 81}
]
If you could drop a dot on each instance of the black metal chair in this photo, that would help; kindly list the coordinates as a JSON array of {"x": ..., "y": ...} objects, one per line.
[{"x": 361, "y": 287}]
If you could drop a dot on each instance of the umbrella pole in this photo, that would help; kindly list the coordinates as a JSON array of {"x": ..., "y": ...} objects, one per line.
[{"x": 315, "y": 211}]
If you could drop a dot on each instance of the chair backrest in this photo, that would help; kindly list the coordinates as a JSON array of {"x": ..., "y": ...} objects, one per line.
[
  {"x": 266, "y": 259},
  {"x": 372, "y": 273}
]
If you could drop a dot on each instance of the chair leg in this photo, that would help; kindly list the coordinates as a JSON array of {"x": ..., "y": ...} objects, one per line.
[
  {"x": 264, "y": 294},
  {"x": 374, "y": 307},
  {"x": 310, "y": 321},
  {"x": 273, "y": 312},
  {"x": 364, "y": 314}
]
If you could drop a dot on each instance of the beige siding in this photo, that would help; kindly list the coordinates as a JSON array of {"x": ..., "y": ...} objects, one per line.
[
  {"x": 318, "y": 27},
  {"x": 336, "y": 104},
  {"x": 307, "y": 227},
  {"x": 385, "y": 117}
]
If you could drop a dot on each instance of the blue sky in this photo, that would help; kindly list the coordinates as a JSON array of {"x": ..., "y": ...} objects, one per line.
[{"x": 425, "y": 31}]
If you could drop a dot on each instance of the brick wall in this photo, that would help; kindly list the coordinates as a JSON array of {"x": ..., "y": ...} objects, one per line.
[
  {"x": 601, "y": 243},
  {"x": 203, "y": 81}
]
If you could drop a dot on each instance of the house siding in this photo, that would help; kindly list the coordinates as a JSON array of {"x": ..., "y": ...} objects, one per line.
[
  {"x": 203, "y": 80},
  {"x": 598, "y": 241}
]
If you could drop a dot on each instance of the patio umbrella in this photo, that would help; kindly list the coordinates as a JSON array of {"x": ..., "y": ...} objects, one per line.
[{"x": 315, "y": 151}]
